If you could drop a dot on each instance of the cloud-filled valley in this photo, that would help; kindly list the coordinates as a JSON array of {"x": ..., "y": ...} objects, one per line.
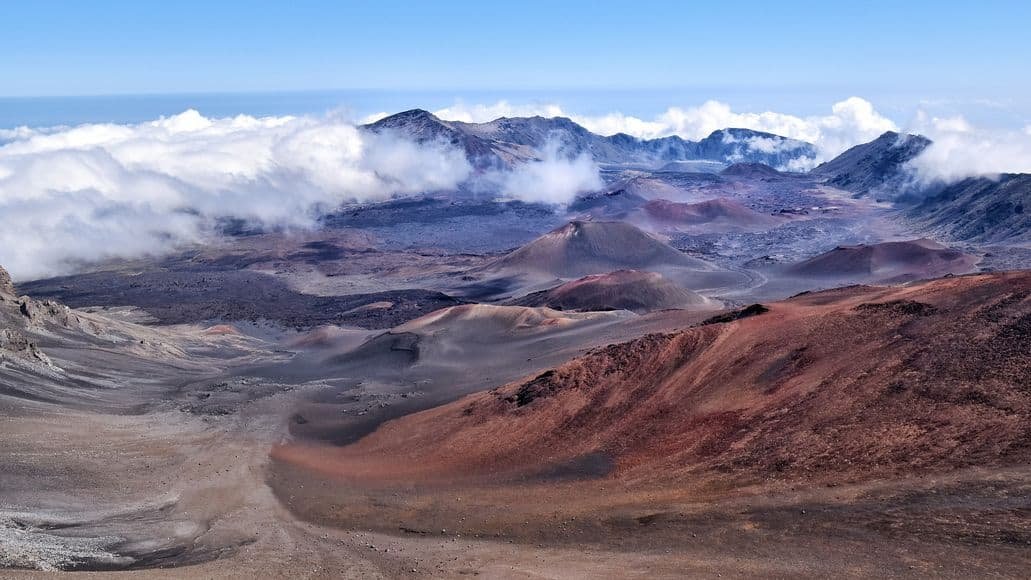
[
  {"x": 72, "y": 194},
  {"x": 124, "y": 190}
]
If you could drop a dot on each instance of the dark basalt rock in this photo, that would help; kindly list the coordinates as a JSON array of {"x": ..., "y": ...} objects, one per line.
[{"x": 747, "y": 311}]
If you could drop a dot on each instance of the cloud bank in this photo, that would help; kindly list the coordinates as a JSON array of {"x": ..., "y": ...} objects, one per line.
[
  {"x": 70, "y": 195},
  {"x": 78, "y": 194},
  {"x": 961, "y": 150},
  {"x": 104, "y": 190}
]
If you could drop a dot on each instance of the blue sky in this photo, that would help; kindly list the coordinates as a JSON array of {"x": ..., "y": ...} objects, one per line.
[
  {"x": 913, "y": 47},
  {"x": 590, "y": 57}
]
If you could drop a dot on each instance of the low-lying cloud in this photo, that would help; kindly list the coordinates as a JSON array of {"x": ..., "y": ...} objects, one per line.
[
  {"x": 105, "y": 190},
  {"x": 961, "y": 150},
  {"x": 79, "y": 194},
  {"x": 71, "y": 195},
  {"x": 554, "y": 178}
]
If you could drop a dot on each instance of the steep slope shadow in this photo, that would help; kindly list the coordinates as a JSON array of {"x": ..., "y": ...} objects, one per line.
[{"x": 979, "y": 209}]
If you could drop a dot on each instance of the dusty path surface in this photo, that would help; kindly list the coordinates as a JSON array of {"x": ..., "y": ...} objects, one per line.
[
  {"x": 965, "y": 525},
  {"x": 168, "y": 477},
  {"x": 164, "y": 490}
]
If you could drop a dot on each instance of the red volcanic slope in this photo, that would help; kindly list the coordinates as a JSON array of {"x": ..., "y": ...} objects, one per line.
[
  {"x": 719, "y": 210},
  {"x": 580, "y": 248},
  {"x": 908, "y": 260},
  {"x": 621, "y": 290},
  {"x": 853, "y": 383}
]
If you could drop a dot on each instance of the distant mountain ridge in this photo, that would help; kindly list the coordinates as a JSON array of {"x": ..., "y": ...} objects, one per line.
[{"x": 507, "y": 141}]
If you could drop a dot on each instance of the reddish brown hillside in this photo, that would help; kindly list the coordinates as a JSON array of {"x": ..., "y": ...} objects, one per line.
[
  {"x": 845, "y": 384},
  {"x": 887, "y": 261},
  {"x": 621, "y": 290},
  {"x": 580, "y": 248},
  {"x": 720, "y": 211}
]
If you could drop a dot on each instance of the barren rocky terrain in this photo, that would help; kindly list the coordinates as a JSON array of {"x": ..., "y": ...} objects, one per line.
[{"x": 736, "y": 372}]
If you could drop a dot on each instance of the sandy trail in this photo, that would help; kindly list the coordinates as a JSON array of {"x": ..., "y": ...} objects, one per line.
[
  {"x": 165, "y": 489},
  {"x": 178, "y": 486}
]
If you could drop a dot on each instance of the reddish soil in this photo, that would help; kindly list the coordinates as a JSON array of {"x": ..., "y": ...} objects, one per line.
[
  {"x": 835, "y": 386},
  {"x": 721, "y": 210},
  {"x": 888, "y": 261},
  {"x": 621, "y": 290},
  {"x": 859, "y": 432},
  {"x": 580, "y": 248}
]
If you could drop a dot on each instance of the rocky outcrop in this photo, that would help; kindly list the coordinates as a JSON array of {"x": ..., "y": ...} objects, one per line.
[
  {"x": 6, "y": 284},
  {"x": 15, "y": 347}
]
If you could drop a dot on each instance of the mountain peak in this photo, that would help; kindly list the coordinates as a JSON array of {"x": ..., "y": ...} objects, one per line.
[
  {"x": 416, "y": 113},
  {"x": 404, "y": 118},
  {"x": 743, "y": 133},
  {"x": 895, "y": 139},
  {"x": 875, "y": 166}
]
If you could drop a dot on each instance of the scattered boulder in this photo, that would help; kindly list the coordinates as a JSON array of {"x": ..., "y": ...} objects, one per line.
[{"x": 747, "y": 311}]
